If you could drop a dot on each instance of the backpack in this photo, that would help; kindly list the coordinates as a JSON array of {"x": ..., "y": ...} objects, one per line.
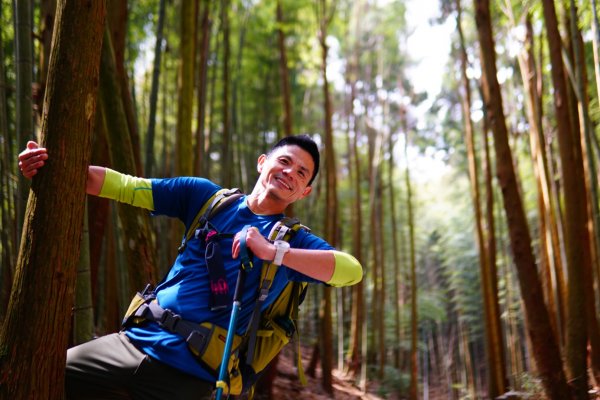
[{"x": 267, "y": 332}]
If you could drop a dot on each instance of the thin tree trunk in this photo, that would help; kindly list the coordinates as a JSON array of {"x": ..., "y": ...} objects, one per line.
[
  {"x": 117, "y": 23},
  {"x": 354, "y": 359},
  {"x": 47, "y": 15},
  {"x": 46, "y": 267},
  {"x": 226, "y": 155},
  {"x": 414, "y": 317},
  {"x": 201, "y": 149},
  {"x": 591, "y": 188},
  {"x": 135, "y": 221},
  {"x": 24, "y": 66},
  {"x": 324, "y": 15},
  {"x": 546, "y": 350},
  {"x": 184, "y": 156},
  {"x": 546, "y": 200},
  {"x": 83, "y": 310},
  {"x": 577, "y": 238},
  {"x": 395, "y": 252},
  {"x": 596, "y": 44},
  {"x": 8, "y": 233},
  {"x": 154, "y": 91},
  {"x": 283, "y": 73},
  {"x": 497, "y": 382}
]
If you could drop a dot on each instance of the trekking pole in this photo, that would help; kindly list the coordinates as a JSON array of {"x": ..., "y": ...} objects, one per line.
[{"x": 245, "y": 263}]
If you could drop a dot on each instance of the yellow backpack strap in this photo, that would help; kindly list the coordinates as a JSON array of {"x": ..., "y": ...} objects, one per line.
[
  {"x": 284, "y": 229},
  {"x": 217, "y": 201}
]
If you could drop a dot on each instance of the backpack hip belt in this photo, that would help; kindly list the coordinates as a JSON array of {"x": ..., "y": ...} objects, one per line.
[{"x": 205, "y": 340}]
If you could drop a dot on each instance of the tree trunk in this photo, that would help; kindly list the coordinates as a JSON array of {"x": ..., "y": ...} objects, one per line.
[
  {"x": 47, "y": 15},
  {"x": 395, "y": 253},
  {"x": 226, "y": 155},
  {"x": 354, "y": 358},
  {"x": 46, "y": 267},
  {"x": 596, "y": 45},
  {"x": 184, "y": 150},
  {"x": 83, "y": 311},
  {"x": 137, "y": 237},
  {"x": 117, "y": 23},
  {"x": 154, "y": 91},
  {"x": 546, "y": 350},
  {"x": 414, "y": 317},
  {"x": 590, "y": 187},
  {"x": 8, "y": 233},
  {"x": 286, "y": 96},
  {"x": 576, "y": 234},
  {"x": 549, "y": 231},
  {"x": 496, "y": 365},
  {"x": 331, "y": 202},
  {"x": 201, "y": 150},
  {"x": 24, "y": 65}
]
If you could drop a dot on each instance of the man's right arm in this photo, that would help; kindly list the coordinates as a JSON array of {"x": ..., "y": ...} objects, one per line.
[
  {"x": 34, "y": 157},
  {"x": 101, "y": 181}
]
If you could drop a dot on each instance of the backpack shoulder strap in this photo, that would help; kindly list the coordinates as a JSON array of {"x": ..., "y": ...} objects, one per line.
[
  {"x": 284, "y": 229},
  {"x": 218, "y": 201}
]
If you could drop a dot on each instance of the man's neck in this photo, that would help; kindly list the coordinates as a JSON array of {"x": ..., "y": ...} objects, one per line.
[{"x": 261, "y": 203}]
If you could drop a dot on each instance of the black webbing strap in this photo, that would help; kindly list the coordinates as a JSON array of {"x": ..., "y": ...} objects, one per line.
[
  {"x": 222, "y": 199},
  {"x": 195, "y": 335}
]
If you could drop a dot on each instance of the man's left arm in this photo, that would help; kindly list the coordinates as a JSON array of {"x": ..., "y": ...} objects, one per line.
[{"x": 333, "y": 267}]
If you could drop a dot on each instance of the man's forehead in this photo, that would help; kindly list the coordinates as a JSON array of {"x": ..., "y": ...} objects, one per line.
[{"x": 297, "y": 154}]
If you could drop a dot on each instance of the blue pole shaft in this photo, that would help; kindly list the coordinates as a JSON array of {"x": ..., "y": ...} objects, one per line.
[{"x": 228, "y": 343}]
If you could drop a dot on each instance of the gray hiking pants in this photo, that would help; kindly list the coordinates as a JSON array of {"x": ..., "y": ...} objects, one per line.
[{"x": 111, "y": 367}]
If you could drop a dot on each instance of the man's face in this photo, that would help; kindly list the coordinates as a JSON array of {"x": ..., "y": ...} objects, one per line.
[{"x": 285, "y": 173}]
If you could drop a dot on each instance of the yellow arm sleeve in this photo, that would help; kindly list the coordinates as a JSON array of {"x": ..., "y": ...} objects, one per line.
[
  {"x": 348, "y": 270},
  {"x": 127, "y": 189}
]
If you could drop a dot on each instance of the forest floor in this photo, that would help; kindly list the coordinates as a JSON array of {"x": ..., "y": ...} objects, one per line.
[{"x": 288, "y": 387}]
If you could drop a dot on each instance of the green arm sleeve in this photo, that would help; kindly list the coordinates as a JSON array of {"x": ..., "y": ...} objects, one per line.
[
  {"x": 348, "y": 270},
  {"x": 127, "y": 189}
]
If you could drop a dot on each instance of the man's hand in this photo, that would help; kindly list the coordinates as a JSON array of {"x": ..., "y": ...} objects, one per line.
[
  {"x": 257, "y": 243},
  {"x": 31, "y": 159}
]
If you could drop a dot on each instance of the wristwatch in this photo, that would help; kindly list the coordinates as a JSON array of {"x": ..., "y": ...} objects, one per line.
[{"x": 281, "y": 247}]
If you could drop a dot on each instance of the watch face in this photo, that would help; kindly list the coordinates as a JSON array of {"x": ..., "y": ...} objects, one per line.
[
  {"x": 281, "y": 244},
  {"x": 281, "y": 247}
]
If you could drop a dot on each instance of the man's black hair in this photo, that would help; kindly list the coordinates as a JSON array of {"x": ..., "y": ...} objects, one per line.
[{"x": 306, "y": 143}]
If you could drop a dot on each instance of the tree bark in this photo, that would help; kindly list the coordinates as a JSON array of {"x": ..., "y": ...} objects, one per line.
[
  {"x": 24, "y": 122},
  {"x": 576, "y": 234},
  {"x": 497, "y": 382},
  {"x": 546, "y": 349},
  {"x": 42, "y": 296},
  {"x": 137, "y": 236},
  {"x": 414, "y": 316},
  {"x": 226, "y": 155},
  {"x": 184, "y": 150},
  {"x": 286, "y": 96},
  {"x": 201, "y": 149},
  {"x": 154, "y": 91},
  {"x": 331, "y": 200}
]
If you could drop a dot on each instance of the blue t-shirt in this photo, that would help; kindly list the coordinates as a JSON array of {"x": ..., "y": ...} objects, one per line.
[{"x": 186, "y": 289}]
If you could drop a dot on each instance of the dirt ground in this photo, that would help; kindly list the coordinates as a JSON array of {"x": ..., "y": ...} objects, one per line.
[{"x": 288, "y": 387}]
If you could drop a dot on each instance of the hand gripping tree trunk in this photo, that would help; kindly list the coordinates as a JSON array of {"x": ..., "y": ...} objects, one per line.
[
  {"x": 34, "y": 339},
  {"x": 545, "y": 347}
]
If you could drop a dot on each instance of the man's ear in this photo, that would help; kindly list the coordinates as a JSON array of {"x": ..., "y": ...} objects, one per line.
[
  {"x": 261, "y": 161},
  {"x": 306, "y": 191}
]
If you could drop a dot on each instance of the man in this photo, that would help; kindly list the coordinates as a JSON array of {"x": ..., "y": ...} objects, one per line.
[{"x": 146, "y": 360}]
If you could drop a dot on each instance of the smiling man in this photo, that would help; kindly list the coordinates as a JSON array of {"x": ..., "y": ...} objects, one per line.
[{"x": 149, "y": 360}]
